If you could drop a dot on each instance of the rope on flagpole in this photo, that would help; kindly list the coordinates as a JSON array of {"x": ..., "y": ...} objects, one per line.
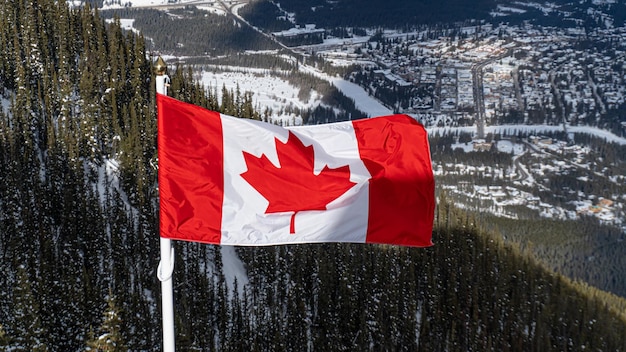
[{"x": 167, "y": 275}]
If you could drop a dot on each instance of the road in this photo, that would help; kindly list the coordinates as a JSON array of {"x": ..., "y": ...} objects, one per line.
[
  {"x": 230, "y": 8},
  {"x": 521, "y": 171},
  {"x": 555, "y": 93},
  {"x": 594, "y": 89},
  {"x": 479, "y": 98},
  {"x": 207, "y": 3},
  {"x": 518, "y": 90}
]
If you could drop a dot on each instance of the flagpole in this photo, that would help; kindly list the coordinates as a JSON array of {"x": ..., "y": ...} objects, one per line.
[
  {"x": 166, "y": 265},
  {"x": 164, "y": 273}
]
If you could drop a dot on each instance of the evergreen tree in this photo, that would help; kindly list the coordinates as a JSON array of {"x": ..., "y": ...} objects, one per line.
[
  {"x": 27, "y": 333},
  {"x": 80, "y": 210},
  {"x": 109, "y": 337},
  {"x": 4, "y": 339}
]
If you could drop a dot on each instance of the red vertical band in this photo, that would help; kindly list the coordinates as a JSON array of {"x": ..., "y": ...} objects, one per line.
[
  {"x": 191, "y": 171},
  {"x": 402, "y": 188}
]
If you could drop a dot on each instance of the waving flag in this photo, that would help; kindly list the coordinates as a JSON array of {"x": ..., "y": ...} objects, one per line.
[{"x": 227, "y": 180}]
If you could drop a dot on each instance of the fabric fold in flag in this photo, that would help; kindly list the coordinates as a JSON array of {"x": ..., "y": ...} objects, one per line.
[{"x": 233, "y": 181}]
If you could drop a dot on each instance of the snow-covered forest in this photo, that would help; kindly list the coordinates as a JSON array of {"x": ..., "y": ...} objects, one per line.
[{"x": 79, "y": 233}]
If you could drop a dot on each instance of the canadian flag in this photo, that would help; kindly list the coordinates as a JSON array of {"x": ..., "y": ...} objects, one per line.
[{"x": 227, "y": 180}]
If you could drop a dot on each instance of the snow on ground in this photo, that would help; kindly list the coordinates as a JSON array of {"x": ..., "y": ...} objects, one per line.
[
  {"x": 277, "y": 94},
  {"x": 212, "y": 9},
  {"x": 269, "y": 92},
  {"x": 233, "y": 269},
  {"x": 506, "y": 146},
  {"x": 362, "y": 100},
  {"x": 5, "y": 104},
  {"x": 505, "y": 11},
  {"x": 512, "y": 130},
  {"x": 108, "y": 174},
  {"x": 497, "y": 200},
  {"x": 125, "y": 23},
  {"x": 116, "y": 4},
  {"x": 467, "y": 147}
]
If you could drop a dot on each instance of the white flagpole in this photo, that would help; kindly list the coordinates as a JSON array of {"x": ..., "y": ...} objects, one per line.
[
  {"x": 166, "y": 265},
  {"x": 164, "y": 273}
]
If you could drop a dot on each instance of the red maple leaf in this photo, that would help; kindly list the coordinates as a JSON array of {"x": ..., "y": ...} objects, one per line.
[{"x": 293, "y": 186}]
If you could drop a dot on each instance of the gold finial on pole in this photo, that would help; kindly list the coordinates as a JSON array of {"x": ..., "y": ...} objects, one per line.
[
  {"x": 159, "y": 66},
  {"x": 162, "y": 79}
]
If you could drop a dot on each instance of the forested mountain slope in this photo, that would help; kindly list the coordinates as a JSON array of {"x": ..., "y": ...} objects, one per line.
[
  {"x": 368, "y": 14},
  {"x": 399, "y": 14},
  {"x": 469, "y": 292},
  {"x": 77, "y": 217},
  {"x": 79, "y": 233},
  {"x": 212, "y": 34}
]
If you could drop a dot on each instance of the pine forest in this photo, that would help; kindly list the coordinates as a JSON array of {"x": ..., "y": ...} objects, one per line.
[{"x": 79, "y": 233}]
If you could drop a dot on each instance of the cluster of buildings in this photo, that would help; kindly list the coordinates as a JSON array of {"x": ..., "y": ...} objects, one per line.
[
  {"x": 495, "y": 75},
  {"x": 513, "y": 74},
  {"x": 507, "y": 188}
]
